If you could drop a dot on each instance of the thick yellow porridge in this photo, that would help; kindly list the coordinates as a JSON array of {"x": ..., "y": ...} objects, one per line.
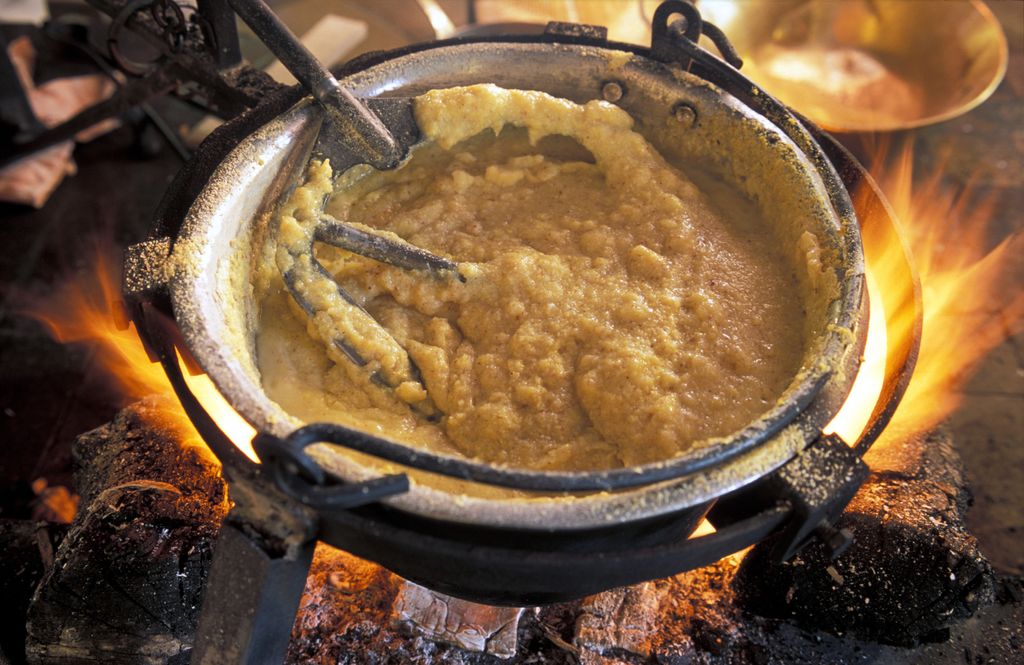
[{"x": 612, "y": 313}]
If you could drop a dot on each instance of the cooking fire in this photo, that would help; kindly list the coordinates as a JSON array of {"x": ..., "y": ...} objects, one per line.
[{"x": 609, "y": 348}]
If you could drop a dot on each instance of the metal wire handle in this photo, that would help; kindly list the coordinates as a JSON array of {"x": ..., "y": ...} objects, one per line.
[{"x": 691, "y": 26}]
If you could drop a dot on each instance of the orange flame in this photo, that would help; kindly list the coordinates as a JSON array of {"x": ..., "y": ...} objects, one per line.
[
  {"x": 85, "y": 311},
  {"x": 969, "y": 303}
]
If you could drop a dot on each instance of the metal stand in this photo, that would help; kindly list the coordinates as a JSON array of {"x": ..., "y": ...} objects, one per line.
[
  {"x": 199, "y": 61},
  {"x": 250, "y": 600}
]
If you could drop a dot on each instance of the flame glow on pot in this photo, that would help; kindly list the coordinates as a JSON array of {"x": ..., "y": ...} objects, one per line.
[
  {"x": 971, "y": 303},
  {"x": 87, "y": 310}
]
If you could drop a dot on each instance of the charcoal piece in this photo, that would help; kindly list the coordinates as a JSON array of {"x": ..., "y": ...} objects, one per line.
[
  {"x": 344, "y": 610},
  {"x": 470, "y": 626},
  {"x": 699, "y": 621},
  {"x": 913, "y": 570},
  {"x": 619, "y": 623},
  {"x": 127, "y": 579},
  {"x": 26, "y": 550},
  {"x": 345, "y": 618}
]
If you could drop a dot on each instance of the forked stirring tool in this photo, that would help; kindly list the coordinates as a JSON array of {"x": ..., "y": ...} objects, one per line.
[{"x": 352, "y": 134}]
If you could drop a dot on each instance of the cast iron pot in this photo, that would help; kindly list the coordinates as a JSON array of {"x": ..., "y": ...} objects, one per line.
[{"x": 699, "y": 113}]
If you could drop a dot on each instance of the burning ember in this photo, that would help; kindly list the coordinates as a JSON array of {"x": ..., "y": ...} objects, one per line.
[{"x": 945, "y": 229}]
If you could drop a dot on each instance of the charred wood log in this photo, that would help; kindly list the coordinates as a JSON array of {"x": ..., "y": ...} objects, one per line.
[
  {"x": 127, "y": 580},
  {"x": 913, "y": 569},
  {"x": 148, "y": 441},
  {"x": 26, "y": 550}
]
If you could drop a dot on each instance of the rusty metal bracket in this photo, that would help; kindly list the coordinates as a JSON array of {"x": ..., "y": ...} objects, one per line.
[
  {"x": 817, "y": 485},
  {"x": 250, "y": 600}
]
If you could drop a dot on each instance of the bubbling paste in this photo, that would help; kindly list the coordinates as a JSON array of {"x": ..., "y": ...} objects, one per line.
[{"x": 613, "y": 314}]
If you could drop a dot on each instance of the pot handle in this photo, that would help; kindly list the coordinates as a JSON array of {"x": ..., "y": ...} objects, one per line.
[{"x": 691, "y": 26}]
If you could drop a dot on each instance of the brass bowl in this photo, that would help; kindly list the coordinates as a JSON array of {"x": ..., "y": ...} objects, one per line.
[{"x": 868, "y": 65}]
